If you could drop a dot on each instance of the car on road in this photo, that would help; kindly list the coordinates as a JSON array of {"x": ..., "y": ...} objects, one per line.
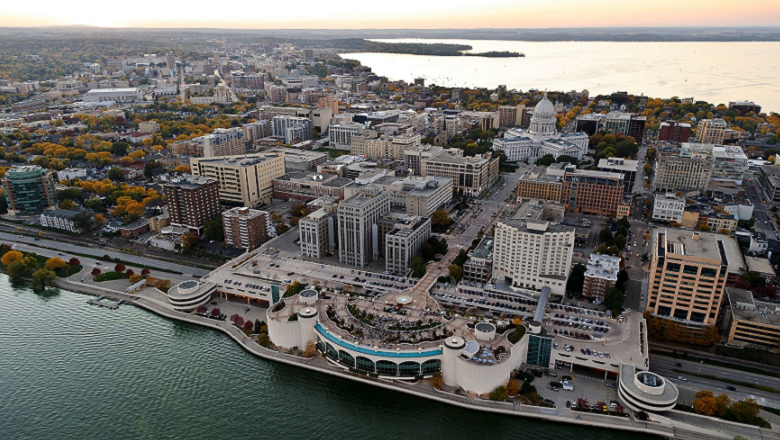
[
  {"x": 676, "y": 364},
  {"x": 682, "y": 378},
  {"x": 731, "y": 388}
]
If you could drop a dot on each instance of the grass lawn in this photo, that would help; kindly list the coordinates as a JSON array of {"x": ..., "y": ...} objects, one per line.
[{"x": 110, "y": 276}]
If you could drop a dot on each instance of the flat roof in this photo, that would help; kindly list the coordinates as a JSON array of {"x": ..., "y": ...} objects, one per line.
[
  {"x": 616, "y": 163},
  {"x": 744, "y": 307},
  {"x": 760, "y": 265}
]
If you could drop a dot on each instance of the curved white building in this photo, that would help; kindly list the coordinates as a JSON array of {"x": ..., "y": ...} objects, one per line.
[
  {"x": 541, "y": 138},
  {"x": 189, "y": 295},
  {"x": 646, "y": 391}
]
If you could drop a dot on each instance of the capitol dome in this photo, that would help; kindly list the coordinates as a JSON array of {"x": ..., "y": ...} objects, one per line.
[
  {"x": 544, "y": 107},
  {"x": 543, "y": 120}
]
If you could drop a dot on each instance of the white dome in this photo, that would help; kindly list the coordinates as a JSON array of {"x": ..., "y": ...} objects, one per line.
[{"x": 544, "y": 107}]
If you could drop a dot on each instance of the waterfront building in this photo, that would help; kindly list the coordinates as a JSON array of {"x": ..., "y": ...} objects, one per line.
[
  {"x": 751, "y": 323},
  {"x": 29, "y": 190},
  {"x": 246, "y": 228},
  {"x": 471, "y": 176},
  {"x": 688, "y": 274},
  {"x": 601, "y": 275},
  {"x": 243, "y": 180},
  {"x": 541, "y": 138},
  {"x": 191, "y": 201},
  {"x": 317, "y": 233},
  {"x": 404, "y": 241},
  {"x": 358, "y": 218},
  {"x": 711, "y": 131},
  {"x": 533, "y": 254}
]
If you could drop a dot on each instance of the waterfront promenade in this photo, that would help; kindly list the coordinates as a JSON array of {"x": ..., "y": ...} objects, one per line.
[{"x": 155, "y": 301}]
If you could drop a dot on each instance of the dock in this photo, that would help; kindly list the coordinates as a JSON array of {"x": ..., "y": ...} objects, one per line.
[{"x": 104, "y": 302}]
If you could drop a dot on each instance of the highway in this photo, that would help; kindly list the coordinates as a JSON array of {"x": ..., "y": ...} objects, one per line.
[{"x": 29, "y": 244}]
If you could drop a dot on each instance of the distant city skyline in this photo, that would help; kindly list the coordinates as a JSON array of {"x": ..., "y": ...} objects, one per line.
[{"x": 401, "y": 14}]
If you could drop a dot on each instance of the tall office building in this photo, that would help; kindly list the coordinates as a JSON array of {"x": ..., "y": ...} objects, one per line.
[
  {"x": 330, "y": 102},
  {"x": 688, "y": 274},
  {"x": 317, "y": 233},
  {"x": 672, "y": 131},
  {"x": 358, "y": 218},
  {"x": 246, "y": 228},
  {"x": 532, "y": 254},
  {"x": 340, "y": 135},
  {"x": 510, "y": 115},
  {"x": 191, "y": 201},
  {"x": 404, "y": 242},
  {"x": 243, "y": 180},
  {"x": 29, "y": 190},
  {"x": 471, "y": 176},
  {"x": 592, "y": 192},
  {"x": 711, "y": 131},
  {"x": 414, "y": 156},
  {"x": 680, "y": 173},
  {"x": 223, "y": 142}
]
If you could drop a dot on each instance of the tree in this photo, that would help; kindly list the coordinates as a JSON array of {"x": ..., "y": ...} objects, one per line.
[
  {"x": 513, "y": 387},
  {"x": 54, "y": 264},
  {"x": 438, "y": 381},
  {"x": 705, "y": 403},
  {"x": 499, "y": 394},
  {"x": 624, "y": 223},
  {"x": 648, "y": 169},
  {"x": 67, "y": 204},
  {"x": 620, "y": 241},
  {"x": 129, "y": 272},
  {"x": 145, "y": 272},
  {"x": 213, "y": 229},
  {"x": 440, "y": 220},
  {"x": 115, "y": 174},
  {"x": 99, "y": 220},
  {"x": 119, "y": 267},
  {"x": 42, "y": 278},
  {"x": 74, "y": 261},
  {"x": 119, "y": 148},
  {"x": 184, "y": 169},
  {"x": 722, "y": 403},
  {"x": 439, "y": 245},
  {"x": 164, "y": 285},
  {"x": 263, "y": 340},
  {"x": 310, "y": 350},
  {"x": 189, "y": 240},
  {"x": 134, "y": 278},
  {"x": 576, "y": 279},
  {"x": 745, "y": 411},
  {"x": 418, "y": 267},
  {"x": 95, "y": 272},
  {"x": 456, "y": 272},
  {"x": 11, "y": 257},
  {"x": 546, "y": 160},
  {"x": 258, "y": 326},
  {"x": 215, "y": 312},
  {"x": 17, "y": 269},
  {"x": 247, "y": 327},
  {"x": 614, "y": 300},
  {"x": 83, "y": 221},
  {"x": 201, "y": 309},
  {"x": 428, "y": 251},
  {"x": 606, "y": 236}
]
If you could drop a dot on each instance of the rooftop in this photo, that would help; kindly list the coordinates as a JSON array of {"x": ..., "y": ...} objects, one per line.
[
  {"x": 603, "y": 266},
  {"x": 744, "y": 307},
  {"x": 760, "y": 265},
  {"x": 617, "y": 163}
]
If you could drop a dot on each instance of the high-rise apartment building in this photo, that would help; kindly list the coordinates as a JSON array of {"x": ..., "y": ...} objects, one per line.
[
  {"x": 471, "y": 176},
  {"x": 592, "y": 192},
  {"x": 223, "y": 142},
  {"x": 510, "y": 115},
  {"x": 254, "y": 131},
  {"x": 680, "y": 173},
  {"x": 674, "y": 132},
  {"x": 358, "y": 218},
  {"x": 246, "y": 228},
  {"x": 330, "y": 102},
  {"x": 293, "y": 129},
  {"x": 29, "y": 190},
  {"x": 243, "y": 180},
  {"x": 404, "y": 241},
  {"x": 385, "y": 147},
  {"x": 711, "y": 131},
  {"x": 191, "y": 201},
  {"x": 317, "y": 233},
  {"x": 532, "y": 254},
  {"x": 688, "y": 273}
]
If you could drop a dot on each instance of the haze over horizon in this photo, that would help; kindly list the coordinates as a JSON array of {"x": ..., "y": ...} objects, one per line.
[{"x": 401, "y": 14}]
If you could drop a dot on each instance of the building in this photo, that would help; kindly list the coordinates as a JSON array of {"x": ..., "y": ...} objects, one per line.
[
  {"x": 29, "y": 190},
  {"x": 729, "y": 162},
  {"x": 424, "y": 195},
  {"x": 471, "y": 176},
  {"x": 592, "y": 192},
  {"x": 711, "y": 131},
  {"x": 770, "y": 180},
  {"x": 414, "y": 156},
  {"x": 745, "y": 107},
  {"x": 542, "y": 183},
  {"x": 243, "y": 180},
  {"x": 627, "y": 124},
  {"x": 688, "y": 274},
  {"x": 134, "y": 229},
  {"x": 510, "y": 115},
  {"x": 293, "y": 129},
  {"x": 384, "y": 147},
  {"x": 330, "y": 102},
  {"x": 305, "y": 185},
  {"x": 589, "y": 124},
  {"x": 60, "y": 219},
  {"x": 340, "y": 135},
  {"x": 318, "y": 234},
  {"x": 672, "y": 131},
  {"x": 404, "y": 241},
  {"x": 296, "y": 160},
  {"x": 668, "y": 208},
  {"x": 626, "y": 167},
  {"x": 763, "y": 267},
  {"x": 254, "y": 131},
  {"x": 131, "y": 94},
  {"x": 358, "y": 218},
  {"x": 541, "y": 138},
  {"x": 246, "y": 228},
  {"x": 680, "y": 173},
  {"x": 148, "y": 127},
  {"x": 158, "y": 222},
  {"x": 223, "y": 142},
  {"x": 601, "y": 275},
  {"x": 478, "y": 268},
  {"x": 532, "y": 254},
  {"x": 751, "y": 323},
  {"x": 191, "y": 201}
]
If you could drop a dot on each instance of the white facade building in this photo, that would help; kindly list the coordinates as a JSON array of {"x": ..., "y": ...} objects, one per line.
[
  {"x": 340, "y": 135},
  {"x": 668, "y": 208},
  {"x": 117, "y": 95}
]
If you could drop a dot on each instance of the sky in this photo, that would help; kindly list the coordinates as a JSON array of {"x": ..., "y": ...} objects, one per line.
[{"x": 395, "y": 14}]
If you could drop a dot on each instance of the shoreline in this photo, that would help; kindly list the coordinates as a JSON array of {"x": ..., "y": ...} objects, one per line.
[{"x": 661, "y": 429}]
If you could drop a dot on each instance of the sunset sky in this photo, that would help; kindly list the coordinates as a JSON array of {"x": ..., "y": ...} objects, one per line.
[{"x": 343, "y": 14}]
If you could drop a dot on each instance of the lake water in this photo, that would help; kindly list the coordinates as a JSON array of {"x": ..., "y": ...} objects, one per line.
[
  {"x": 69, "y": 370},
  {"x": 714, "y": 72}
]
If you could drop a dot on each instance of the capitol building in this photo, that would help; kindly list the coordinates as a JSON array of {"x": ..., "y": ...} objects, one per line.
[{"x": 541, "y": 138}]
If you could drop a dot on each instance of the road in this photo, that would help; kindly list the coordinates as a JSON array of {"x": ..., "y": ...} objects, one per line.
[
  {"x": 755, "y": 193},
  {"x": 29, "y": 244},
  {"x": 664, "y": 365}
]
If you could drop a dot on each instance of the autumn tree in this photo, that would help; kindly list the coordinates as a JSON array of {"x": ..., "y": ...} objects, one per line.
[
  {"x": 54, "y": 264},
  {"x": 189, "y": 240},
  {"x": 513, "y": 387},
  {"x": 119, "y": 267},
  {"x": 456, "y": 272},
  {"x": 42, "y": 278},
  {"x": 95, "y": 272},
  {"x": 11, "y": 257},
  {"x": 705, "y": 403},
  {"x": 74, "y": 261}
]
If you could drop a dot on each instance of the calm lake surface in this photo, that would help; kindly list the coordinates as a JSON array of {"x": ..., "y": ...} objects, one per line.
[
  {"x": 73, "y": 371},
  {"x": 714, "y": 72}
]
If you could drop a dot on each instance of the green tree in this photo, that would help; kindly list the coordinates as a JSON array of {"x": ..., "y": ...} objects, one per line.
[
  {"x": 17, "y": 269},
  {"x": 42, "y": 278},
  {"x": 546, "y": 160},
  {"x": 614, "y": 300},
  {"x": 119, "y": 148},
  {"x": 606, "y": 236},
  {"x": 418, "y": 267},
  {"x": 576, "y": 279},
  {"x": 188, "y": 241},
  {"x": 428, "y": 251},
  {"x": 84, "y": 221},
  {"x": 213, "y": 229},
  {"x": 440, "y": 220},
  {"x": 620, "y": 241},
  {"x": 499, "y": 394},
  {"x": 624, "y": 223},
  {"x": 115, "y": 173},
  {"x": 456, "y": 272}
]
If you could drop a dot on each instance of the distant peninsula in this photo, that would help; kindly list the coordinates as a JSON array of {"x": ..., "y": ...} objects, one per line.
[{"x": 362, "y": 45}]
